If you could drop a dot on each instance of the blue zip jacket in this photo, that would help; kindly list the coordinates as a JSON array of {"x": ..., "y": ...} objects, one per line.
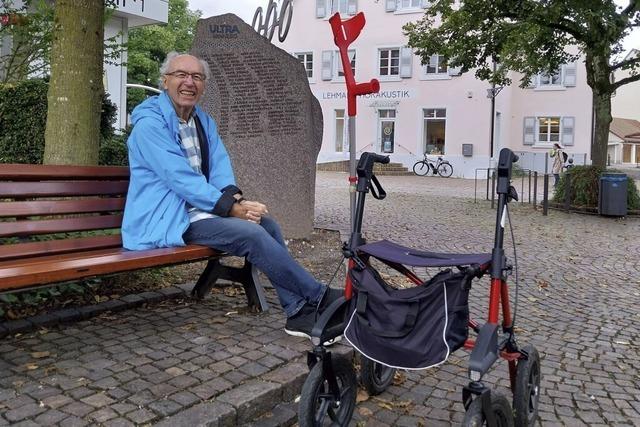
[{"x": 162, "y": 181}]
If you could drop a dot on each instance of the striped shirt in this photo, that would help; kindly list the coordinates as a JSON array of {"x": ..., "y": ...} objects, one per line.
[{"x": 191, "y": 148}]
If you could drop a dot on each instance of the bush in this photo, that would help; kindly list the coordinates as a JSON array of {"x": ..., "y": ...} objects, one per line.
[
  {"x": 585, "y": 182},
  {"x": 23, "y": 118},
  {"x": 113, "y": 151},
  {"x": 23, "y": 115}
]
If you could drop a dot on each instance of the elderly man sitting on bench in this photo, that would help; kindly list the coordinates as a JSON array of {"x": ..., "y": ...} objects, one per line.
[{"x": 182, "y": 190}]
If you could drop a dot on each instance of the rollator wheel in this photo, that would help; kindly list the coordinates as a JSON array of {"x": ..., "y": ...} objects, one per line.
[
  {"x": 317, "y": 405},
  {"x": 501, "y": 411},
  {"x": 526, "y": 394},
  {"x": 375, "y": 377}
]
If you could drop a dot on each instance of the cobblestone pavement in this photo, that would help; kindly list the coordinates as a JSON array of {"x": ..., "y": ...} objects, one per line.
[
  {"x": 578, "y": 300},
  {"x": 212, "y": 363}
]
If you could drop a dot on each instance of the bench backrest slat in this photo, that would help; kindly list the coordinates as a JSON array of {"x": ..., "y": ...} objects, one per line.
[
  {"x": 57, "y": 247},
  {"x": 65, "y": 225},
  {"x": 20, "y": 172},
  {"x": 62, "y": 188},
  {"x": 41, "y": 204},
  {"x": 56, "y": 207}
]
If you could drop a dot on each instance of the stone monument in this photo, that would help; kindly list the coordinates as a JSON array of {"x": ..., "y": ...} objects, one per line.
[{"x": 267, "y": 117}]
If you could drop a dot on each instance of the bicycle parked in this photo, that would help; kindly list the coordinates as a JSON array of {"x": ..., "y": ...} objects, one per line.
[{"x": 441, "y": 167}]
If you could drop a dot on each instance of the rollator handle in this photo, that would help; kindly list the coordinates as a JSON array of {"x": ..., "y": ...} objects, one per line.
[
  {"x": 365, "y": 164},
  {"x": 505, "y": 165}
]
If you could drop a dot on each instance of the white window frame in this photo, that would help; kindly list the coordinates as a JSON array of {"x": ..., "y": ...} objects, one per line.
[
  {"x": 337, "y": 65},
  {"x": 393, "y": 119},
  {"x": 547, "y": 144},
  {"x": 389, "y": 77},
  {"x": 401, "y": 9},
  {"x": 330, "y": 7},
  {"x": 445, "y": 75},
  {"x": 335, "y": 6},
  {"x": 409, "y": 4},
  {"x": 345, "y": 141},
  {"x": 566, "y": 79},
  {"x": 423, "y": 131},
  {"x": 305, "y": 62},
  {"x": 544, "y": 80}
]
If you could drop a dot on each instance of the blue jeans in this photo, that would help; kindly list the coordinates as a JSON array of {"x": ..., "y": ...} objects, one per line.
[{"x": 263, "y": 246}]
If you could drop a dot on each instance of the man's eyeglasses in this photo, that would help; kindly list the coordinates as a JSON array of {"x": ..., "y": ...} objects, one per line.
[{"x": 182, "y": 75}]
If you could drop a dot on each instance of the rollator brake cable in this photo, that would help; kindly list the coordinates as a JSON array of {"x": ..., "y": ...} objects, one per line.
[
  {"x": 515, "y": 266},
  {"x": 337, "y": 269}
]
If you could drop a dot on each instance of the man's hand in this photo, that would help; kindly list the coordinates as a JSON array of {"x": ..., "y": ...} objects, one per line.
[{"x": 249, "y": 210}]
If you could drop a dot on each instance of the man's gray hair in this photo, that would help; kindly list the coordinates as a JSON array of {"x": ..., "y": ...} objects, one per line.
[{"x": 164, "y": 68}]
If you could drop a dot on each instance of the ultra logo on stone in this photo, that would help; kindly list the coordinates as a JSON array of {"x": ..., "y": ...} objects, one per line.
[{"x": 224, "y": 30}]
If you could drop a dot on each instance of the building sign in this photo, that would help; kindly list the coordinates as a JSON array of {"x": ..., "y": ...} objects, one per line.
[
  {"x": 224, "y": 31},
  {"x": 382, "y": 95}
]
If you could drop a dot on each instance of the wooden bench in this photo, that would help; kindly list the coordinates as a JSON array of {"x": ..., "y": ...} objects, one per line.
[{"x": 61, "y": 223}]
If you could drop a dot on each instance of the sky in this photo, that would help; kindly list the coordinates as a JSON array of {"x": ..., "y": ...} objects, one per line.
[{"x": 246, "y": 8}]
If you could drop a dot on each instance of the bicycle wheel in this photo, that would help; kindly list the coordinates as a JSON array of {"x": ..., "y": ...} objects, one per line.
[
  {"x": 316, "y": 402},
  {"x": 527, "y": 391},
  {"x": 445, "y": 170},
  {"x": 375, "y": 377},
  {"x": 500, "y": 407},
  {"x": 421, "y": 168}
]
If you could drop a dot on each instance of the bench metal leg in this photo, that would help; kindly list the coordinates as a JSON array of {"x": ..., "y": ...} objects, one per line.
[{"x": 246, "y": 275}]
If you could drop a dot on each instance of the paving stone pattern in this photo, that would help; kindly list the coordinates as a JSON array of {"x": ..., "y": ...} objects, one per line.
[{"x": 180, "y": 363}]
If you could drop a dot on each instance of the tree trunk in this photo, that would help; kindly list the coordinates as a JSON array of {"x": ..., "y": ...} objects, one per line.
[
  {"x": 602, "y": 114},
  {"x": 599, "y": 79},
  {"x": 72, "y": 133}
]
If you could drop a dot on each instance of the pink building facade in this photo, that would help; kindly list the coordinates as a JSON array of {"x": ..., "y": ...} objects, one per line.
[{"x": 431, "y": 108}]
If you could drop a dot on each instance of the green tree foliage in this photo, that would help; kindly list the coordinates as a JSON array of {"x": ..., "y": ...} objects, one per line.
[
  {"x": 23, "y": 115},
  {"x": 533, "y": 36},
  {"x": 30, "y": 39},
  {"x": 148, "y": 46}
]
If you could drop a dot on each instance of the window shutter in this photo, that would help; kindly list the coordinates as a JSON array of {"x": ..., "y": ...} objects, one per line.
[
  {"x": 352, "y": 8},
  {"x": 424, "y": 4},
  {"x": 569, "y": 74},
  {"x": 327, "y": 65},
  {"x": 390, "y": 5},
  {"x": 529, "y": 131},
  {"x": 406, "y": 59},
  {"x": 568, "y": 124},
  {"x": 321, "y": 8},
  {"x": 433, "y": 61}
]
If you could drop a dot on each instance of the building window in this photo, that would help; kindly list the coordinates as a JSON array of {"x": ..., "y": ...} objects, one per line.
[
  {"x": 341, "y": 142},
  {"x": 554, "y": 79},
  {"x": 387, "y": 130},
  {"x": 389, "y": 62},
  {"x": 434, "y": 129},
  {"x": 306, "y": 59},
  {"x": 548, "y": 129},
  {"x": 437, "y": 65},
  {"x": 341, "y": 6},
  {"x": 338, "y": 63},
  {"x": 544, "y": 131},
  {"x": 408, "y": 4}
]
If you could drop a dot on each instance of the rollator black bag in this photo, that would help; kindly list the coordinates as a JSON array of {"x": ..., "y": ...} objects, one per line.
[{"x": 413, "y": 328}]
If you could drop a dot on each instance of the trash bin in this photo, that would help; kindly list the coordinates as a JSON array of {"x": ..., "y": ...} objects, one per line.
[{"x": 612, "y": 199}]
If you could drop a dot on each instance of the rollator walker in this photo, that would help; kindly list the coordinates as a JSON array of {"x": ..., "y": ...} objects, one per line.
[{"x": 420, "y": 326}]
